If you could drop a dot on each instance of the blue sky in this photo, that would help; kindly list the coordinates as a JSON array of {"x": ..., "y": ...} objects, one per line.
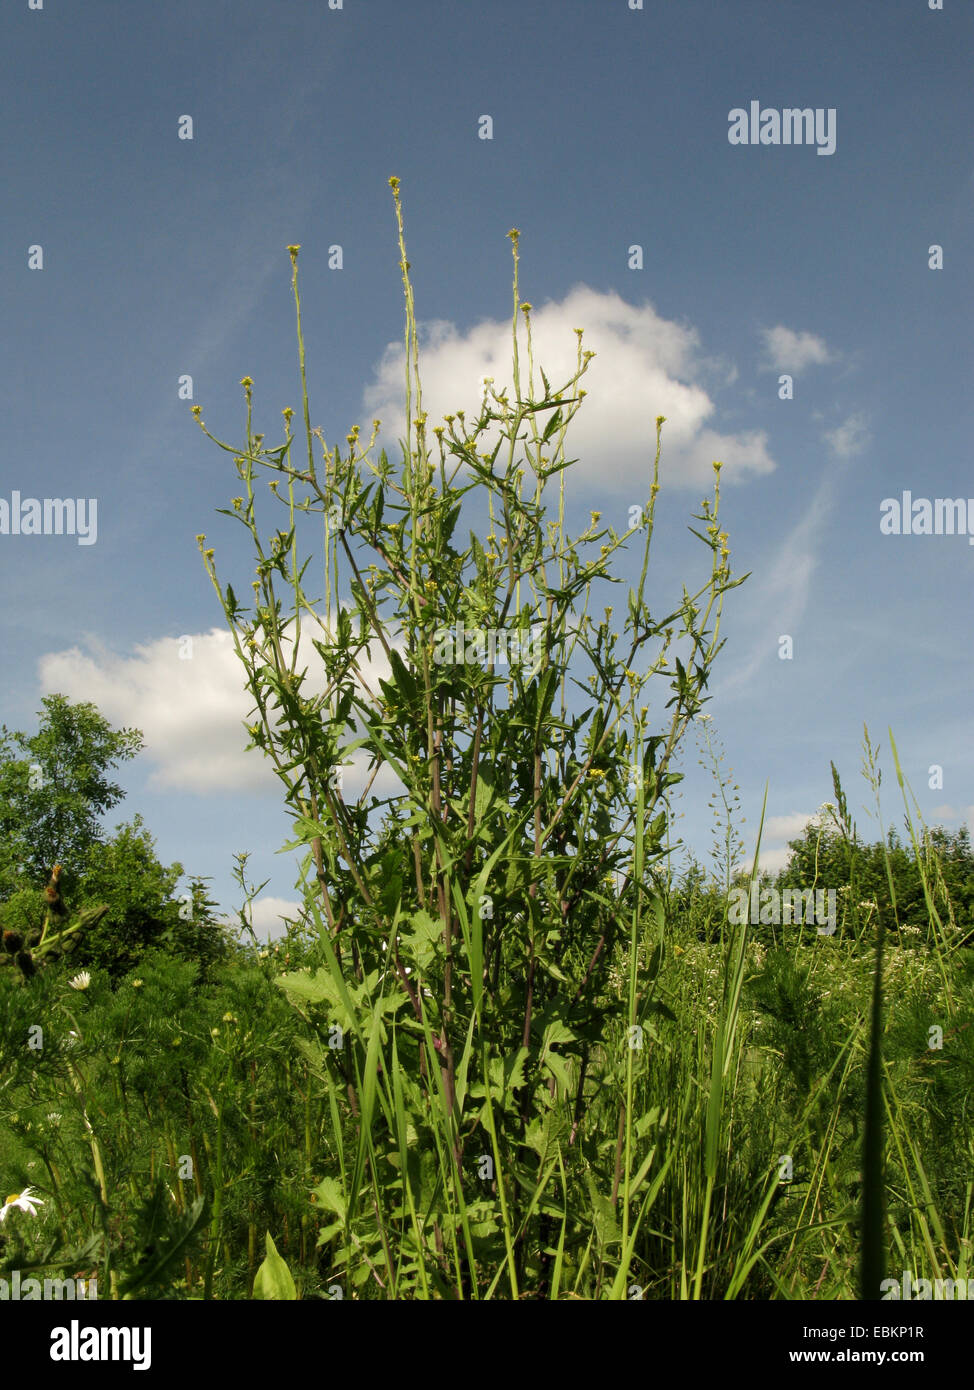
[{"x": 165, "y": 257}]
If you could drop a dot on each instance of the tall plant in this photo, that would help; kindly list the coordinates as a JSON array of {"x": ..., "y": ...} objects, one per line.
[{"x": 468, "y": 920}]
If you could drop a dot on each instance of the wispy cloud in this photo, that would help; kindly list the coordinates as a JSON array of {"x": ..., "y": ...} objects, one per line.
[
  {"x": 778, "y": 601},
  {"x": 850, "y": 438}
]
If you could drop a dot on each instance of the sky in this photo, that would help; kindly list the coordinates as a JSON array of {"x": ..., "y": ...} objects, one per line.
[{"x": 798, "y": 310}]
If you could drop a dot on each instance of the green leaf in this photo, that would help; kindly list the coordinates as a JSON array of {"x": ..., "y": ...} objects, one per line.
[
  {"x": 330, "y": 1196},
  {"x": 485, "y": 794},
  {"x": 552, "y": 969},
  {"x": 273, "y": 1279},
  {"x": 606, "y": 1226},
  {"x": 557, "y": 1032},
  {"x": 421, "y": 938},
  {"x": 553, "y": 424},
  {"x": 309, "y": 989},
  {"x": 559, "y": 1068}
]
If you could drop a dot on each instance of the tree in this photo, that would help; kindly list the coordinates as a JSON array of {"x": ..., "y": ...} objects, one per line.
[
  {"x": 53, "y": 789},
  {"x": 113, "y": 897},
  {"x": 144, "y": 909}
]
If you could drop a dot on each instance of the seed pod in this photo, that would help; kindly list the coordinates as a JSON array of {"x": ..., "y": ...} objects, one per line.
[{"x": 12, "y": 942}]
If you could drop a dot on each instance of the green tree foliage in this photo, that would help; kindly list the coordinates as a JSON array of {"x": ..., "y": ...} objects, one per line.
[
  {"x": 822, "y": 857},
  {"x": 51, "y": 799},
  {"x": 54, "y": 788},
  {"x": 144, "y": 907}
]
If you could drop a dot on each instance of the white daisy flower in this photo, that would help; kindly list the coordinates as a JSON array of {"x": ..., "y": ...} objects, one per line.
[
  {"x": 23, "y": 1200},
  {"x": 81, "y": 981}
]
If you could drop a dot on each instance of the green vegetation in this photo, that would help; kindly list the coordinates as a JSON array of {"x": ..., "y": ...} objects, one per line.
[{"x": 506, "y": 1050}]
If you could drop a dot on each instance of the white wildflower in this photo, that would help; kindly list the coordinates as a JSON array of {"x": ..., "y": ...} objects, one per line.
[{"x": 22, "y": 1200}]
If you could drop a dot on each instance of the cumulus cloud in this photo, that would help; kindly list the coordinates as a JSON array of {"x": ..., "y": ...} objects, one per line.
[
  {"x": 191, "y": 711},
  {"x": 774, "y": 857},
  {"x": 789, "y": 827},
  {"x": 849, "y": 438},
  {"x": 771, "y": 860},
  {"x": 788, "y": 351},
  {"x": 266, "y": 916},
  {"x": 190, "y": 708},
  {"x": 645, "y": 366}
]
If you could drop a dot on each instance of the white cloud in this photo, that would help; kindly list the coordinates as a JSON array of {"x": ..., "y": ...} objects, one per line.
[
  {"x": 849, "y": 438},
  {"x": 266, "y": 914},
  {"x": 943, "y": 814},
  {"x": 790, "y": 827},
  {"x": 788, "y": 351},
  {"x": 770, "y": 861},
  {"x": 191, "y": 712},
  {"x": 646, "y": 366}
]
